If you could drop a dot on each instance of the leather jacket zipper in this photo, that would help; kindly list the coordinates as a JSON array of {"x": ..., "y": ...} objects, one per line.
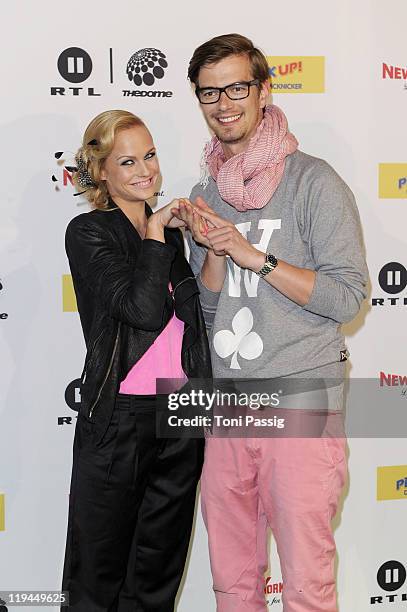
[
  {"x": 107, "y": 373},
  {"x": 180, "y": 283},
  {"x": 88, "y": 359}
]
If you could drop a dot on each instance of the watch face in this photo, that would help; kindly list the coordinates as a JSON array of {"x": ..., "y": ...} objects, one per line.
[
  {"x": 271, "y": 263},
  {"x": 271, "y": 259}
]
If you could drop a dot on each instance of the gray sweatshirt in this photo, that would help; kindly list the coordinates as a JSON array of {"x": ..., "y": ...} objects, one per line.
[{"x": 311, "y": 222}]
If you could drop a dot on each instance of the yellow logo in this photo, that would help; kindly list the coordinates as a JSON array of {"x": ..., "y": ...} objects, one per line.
[
  {"x": 68, "y": 294},
  {"x": 392, "y": 482},
  {"x": 297, "y": 74},
  {"x": 2, "y": 513},
  {"x": 393, "y": 181}
]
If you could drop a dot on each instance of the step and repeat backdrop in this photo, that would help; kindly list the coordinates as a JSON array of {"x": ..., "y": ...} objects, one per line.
[{"x": 339, "y": 71}]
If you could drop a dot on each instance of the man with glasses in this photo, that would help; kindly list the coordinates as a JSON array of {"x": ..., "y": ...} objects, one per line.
[
  {"x": 235, "y": 91},
  {"x": 280, "y": 266}
]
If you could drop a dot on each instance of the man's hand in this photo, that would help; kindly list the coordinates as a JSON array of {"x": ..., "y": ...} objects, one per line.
[
  {"x": 190, "y": 215},
  {"x": 225, "y": 239}
]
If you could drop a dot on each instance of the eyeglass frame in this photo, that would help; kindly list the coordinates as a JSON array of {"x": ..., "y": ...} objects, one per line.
[{"x": 223, "y": 89}]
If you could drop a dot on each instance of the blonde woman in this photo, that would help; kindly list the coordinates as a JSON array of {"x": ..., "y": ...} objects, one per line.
[{"x": 132, "y": 494}]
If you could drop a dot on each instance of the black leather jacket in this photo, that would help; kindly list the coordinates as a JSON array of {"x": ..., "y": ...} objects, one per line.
[{"x": 121, "y": 286}]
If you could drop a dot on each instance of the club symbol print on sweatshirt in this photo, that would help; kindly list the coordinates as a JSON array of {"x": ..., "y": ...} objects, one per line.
[{"x": 241, "y": 341}]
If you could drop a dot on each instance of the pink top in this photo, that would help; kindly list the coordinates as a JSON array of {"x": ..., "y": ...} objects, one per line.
[{"x": 162, "y": 360}]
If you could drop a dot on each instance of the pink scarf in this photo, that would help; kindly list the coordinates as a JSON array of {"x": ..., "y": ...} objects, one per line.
[{"x": 249, "y": 179}]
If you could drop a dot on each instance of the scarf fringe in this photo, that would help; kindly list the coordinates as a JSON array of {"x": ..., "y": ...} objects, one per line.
[{"x": 204, "y": 174}]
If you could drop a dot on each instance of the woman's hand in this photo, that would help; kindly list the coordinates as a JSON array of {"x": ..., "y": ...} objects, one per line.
[
  {"x": 191, "y": 217},
  {"x": 165, "y": 216}
]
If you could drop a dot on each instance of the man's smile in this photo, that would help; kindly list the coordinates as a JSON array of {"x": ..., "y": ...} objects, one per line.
[{"x": 229, "y": 119}]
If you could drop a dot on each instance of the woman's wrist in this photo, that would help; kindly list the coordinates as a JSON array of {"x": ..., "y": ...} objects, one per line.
[
  {"x": 155, "y": 228},
  {"x": 155, "y": 220}
]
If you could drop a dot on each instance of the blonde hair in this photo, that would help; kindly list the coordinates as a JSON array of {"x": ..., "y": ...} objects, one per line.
[{"x": 97, "y": 144}]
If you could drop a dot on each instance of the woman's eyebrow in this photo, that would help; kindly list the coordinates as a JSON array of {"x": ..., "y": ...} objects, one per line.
[{"x": 134, "y": 156}]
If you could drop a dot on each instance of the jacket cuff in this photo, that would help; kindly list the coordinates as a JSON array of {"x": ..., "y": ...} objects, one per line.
[{"x": 155, "y": 253}]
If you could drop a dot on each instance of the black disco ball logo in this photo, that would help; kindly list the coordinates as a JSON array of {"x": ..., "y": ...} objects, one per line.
[
  {"x": 391, "y": 576},
  {"x": 393, "y": 277},
  {"x": 145, "y": 66},
  {"x": 74, "y": 65}
]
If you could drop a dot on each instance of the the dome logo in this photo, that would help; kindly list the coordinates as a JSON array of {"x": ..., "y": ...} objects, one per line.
[{"x": 145, "y": 66}]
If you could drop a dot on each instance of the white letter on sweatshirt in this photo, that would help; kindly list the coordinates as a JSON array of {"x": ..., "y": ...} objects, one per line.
[{"x": 251, "y": 279}]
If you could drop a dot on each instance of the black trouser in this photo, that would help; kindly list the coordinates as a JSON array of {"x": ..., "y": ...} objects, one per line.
[{"x": 130, "y": 513}]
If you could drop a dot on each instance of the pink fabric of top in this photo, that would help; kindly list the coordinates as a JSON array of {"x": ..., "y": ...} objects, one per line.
[{"x": 162, "y": 360}]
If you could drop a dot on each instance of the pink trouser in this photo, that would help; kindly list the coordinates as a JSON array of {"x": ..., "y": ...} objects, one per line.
[{"x": 291, "y": 484}]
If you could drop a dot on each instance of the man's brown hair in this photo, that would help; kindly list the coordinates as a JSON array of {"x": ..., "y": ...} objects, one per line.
[{"x": 220, "y": 47}]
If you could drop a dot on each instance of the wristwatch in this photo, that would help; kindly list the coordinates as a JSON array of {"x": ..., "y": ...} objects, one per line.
[{"x": 269, "y": 265}]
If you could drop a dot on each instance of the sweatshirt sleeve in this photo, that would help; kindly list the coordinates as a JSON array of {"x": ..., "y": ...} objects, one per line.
[{"x": 332, "y": 230}]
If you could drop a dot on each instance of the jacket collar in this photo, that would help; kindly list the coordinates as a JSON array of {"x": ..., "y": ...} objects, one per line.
[
  {"x": 111, "y": 205},
  {"x": 181, "y": 276}
]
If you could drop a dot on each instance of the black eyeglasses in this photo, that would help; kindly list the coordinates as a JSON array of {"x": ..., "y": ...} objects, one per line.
[{"x": 234, "y": 91}]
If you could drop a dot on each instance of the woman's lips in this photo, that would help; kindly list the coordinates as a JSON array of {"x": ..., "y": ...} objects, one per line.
[{"x": 143, "y": 184}]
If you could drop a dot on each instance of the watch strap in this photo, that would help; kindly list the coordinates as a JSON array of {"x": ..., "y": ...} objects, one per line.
[{"x": 269, "y": 265}]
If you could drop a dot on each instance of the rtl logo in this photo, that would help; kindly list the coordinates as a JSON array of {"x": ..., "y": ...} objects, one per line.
[
  {"x": 391, "y": 576},
  {"x": 392, "y": 279},
  {"x": 73, "y": 399},
  {"x": 75, "y": 66}
]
